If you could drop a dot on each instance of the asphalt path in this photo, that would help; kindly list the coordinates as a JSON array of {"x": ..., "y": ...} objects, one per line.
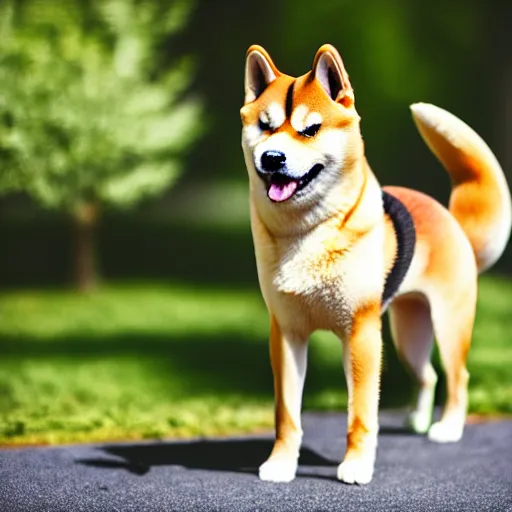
[{"x": 412, "y": 474}]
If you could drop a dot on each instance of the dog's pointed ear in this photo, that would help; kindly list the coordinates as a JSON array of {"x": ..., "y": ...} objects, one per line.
[
  {"x": 329, "y": 70},
  {"x": 260, "y": 71}
]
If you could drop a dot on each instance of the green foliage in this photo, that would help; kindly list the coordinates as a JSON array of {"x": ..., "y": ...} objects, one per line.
[
  {"x": 88, "y": 112},
  {"x": 164, "y": 360},
  {"x": 384, "y": 43}
]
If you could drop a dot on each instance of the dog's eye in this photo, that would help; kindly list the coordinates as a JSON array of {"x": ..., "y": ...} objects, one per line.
[
  {"x": 311, "y": 131},
  {"x": 264, "y": 127}
]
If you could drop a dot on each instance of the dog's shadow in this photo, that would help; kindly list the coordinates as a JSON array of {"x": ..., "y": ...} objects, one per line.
[{"x": 244, "y": 455}]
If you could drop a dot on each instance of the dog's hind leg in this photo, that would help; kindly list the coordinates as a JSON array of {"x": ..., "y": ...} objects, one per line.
[
  {"x": 453, "y": 317},
  {"x": 412, "y": 331}
]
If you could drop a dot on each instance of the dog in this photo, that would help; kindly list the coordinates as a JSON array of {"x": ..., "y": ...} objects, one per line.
[{"x": 334, "y": 250}]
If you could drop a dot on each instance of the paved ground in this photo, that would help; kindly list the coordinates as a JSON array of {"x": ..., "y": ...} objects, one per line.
[{"x": 412, "y": 474}]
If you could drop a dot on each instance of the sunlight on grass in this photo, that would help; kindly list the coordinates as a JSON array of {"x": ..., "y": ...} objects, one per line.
[
  {"x": 131, "y": 361},
  {"x": 143, "y": 308},
  {"x": 490, "y": 357},
  {"x": 148, "y": 360}
]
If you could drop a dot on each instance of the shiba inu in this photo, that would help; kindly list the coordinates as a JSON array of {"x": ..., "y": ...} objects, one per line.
[{"x": 334, "y": 250}]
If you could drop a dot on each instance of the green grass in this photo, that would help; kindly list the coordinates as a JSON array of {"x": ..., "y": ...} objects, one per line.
[{"x": 148, "y": 360}]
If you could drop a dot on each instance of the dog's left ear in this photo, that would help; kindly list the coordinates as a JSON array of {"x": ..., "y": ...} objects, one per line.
[
  {"x": 260, "y": 72},
  {"x": 329, "y": 70}
]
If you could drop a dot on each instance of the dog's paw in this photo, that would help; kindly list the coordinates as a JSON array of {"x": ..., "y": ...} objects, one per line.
[
  {"x": 447, "y": 431},
  {"x": 356, "y": 471},
  {"x": 278, "y": 470},
  {"x": 419, "y": 421}
]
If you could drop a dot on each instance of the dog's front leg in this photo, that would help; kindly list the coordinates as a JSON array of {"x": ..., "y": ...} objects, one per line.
[
  {"x": 362, "y": 361},
  {"x": 288, "y": 354}
]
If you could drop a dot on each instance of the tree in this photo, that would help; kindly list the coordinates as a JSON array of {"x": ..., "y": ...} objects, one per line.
[{"x": 88, "y": 119}]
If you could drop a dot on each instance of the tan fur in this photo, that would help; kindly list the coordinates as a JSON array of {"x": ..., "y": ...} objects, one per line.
[
  {"x": 323, "y": 254},
  {"x": 364, "y": 347},
  {"x": 480, "y": 199}
]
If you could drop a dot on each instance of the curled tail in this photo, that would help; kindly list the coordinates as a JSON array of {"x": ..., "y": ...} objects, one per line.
[{"x": 480, "y": 199}]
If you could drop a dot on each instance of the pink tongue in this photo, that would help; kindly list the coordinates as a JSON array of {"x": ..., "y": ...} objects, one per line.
[{"x": 282, "y": 192}]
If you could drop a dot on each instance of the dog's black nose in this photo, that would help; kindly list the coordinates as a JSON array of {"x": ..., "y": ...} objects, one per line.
[{"x": 272, "y": 161}]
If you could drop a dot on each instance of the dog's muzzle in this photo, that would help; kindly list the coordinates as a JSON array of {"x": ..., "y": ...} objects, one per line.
[{"x": 281, "y": 186}]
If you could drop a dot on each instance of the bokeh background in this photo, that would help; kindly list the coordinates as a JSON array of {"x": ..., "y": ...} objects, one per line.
[{"x": 129, "y": 303}]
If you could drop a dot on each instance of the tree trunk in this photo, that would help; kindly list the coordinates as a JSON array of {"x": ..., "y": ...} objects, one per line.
[{"x": 85, "y": 220}]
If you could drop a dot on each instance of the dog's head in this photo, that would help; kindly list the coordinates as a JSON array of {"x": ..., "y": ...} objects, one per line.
[{"x": 301, "y": 136}]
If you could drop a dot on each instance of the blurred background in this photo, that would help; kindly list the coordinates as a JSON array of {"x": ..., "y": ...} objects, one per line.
[{"x": 129, "y": 303}]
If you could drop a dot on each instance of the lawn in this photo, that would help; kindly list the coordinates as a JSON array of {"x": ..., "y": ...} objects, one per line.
[{"x": 148, "y": 361}]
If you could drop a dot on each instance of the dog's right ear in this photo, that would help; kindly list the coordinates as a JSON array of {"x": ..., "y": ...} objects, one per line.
[{"x": 260, "y": 71}]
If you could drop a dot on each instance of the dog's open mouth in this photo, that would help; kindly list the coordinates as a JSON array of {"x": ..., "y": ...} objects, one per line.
[{"x": 281, "y": 187}]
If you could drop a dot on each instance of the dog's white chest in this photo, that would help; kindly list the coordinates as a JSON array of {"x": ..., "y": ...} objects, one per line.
[
  {"x": 326, "y": 282},
  {"x": 304, "y": 271},
  {"x": 313, "y": 280}
]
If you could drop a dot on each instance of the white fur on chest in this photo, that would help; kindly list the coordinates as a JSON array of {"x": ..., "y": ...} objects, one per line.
[
  {"x": 301, "y": 268},
  {"x": 324, "y": 286}
]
